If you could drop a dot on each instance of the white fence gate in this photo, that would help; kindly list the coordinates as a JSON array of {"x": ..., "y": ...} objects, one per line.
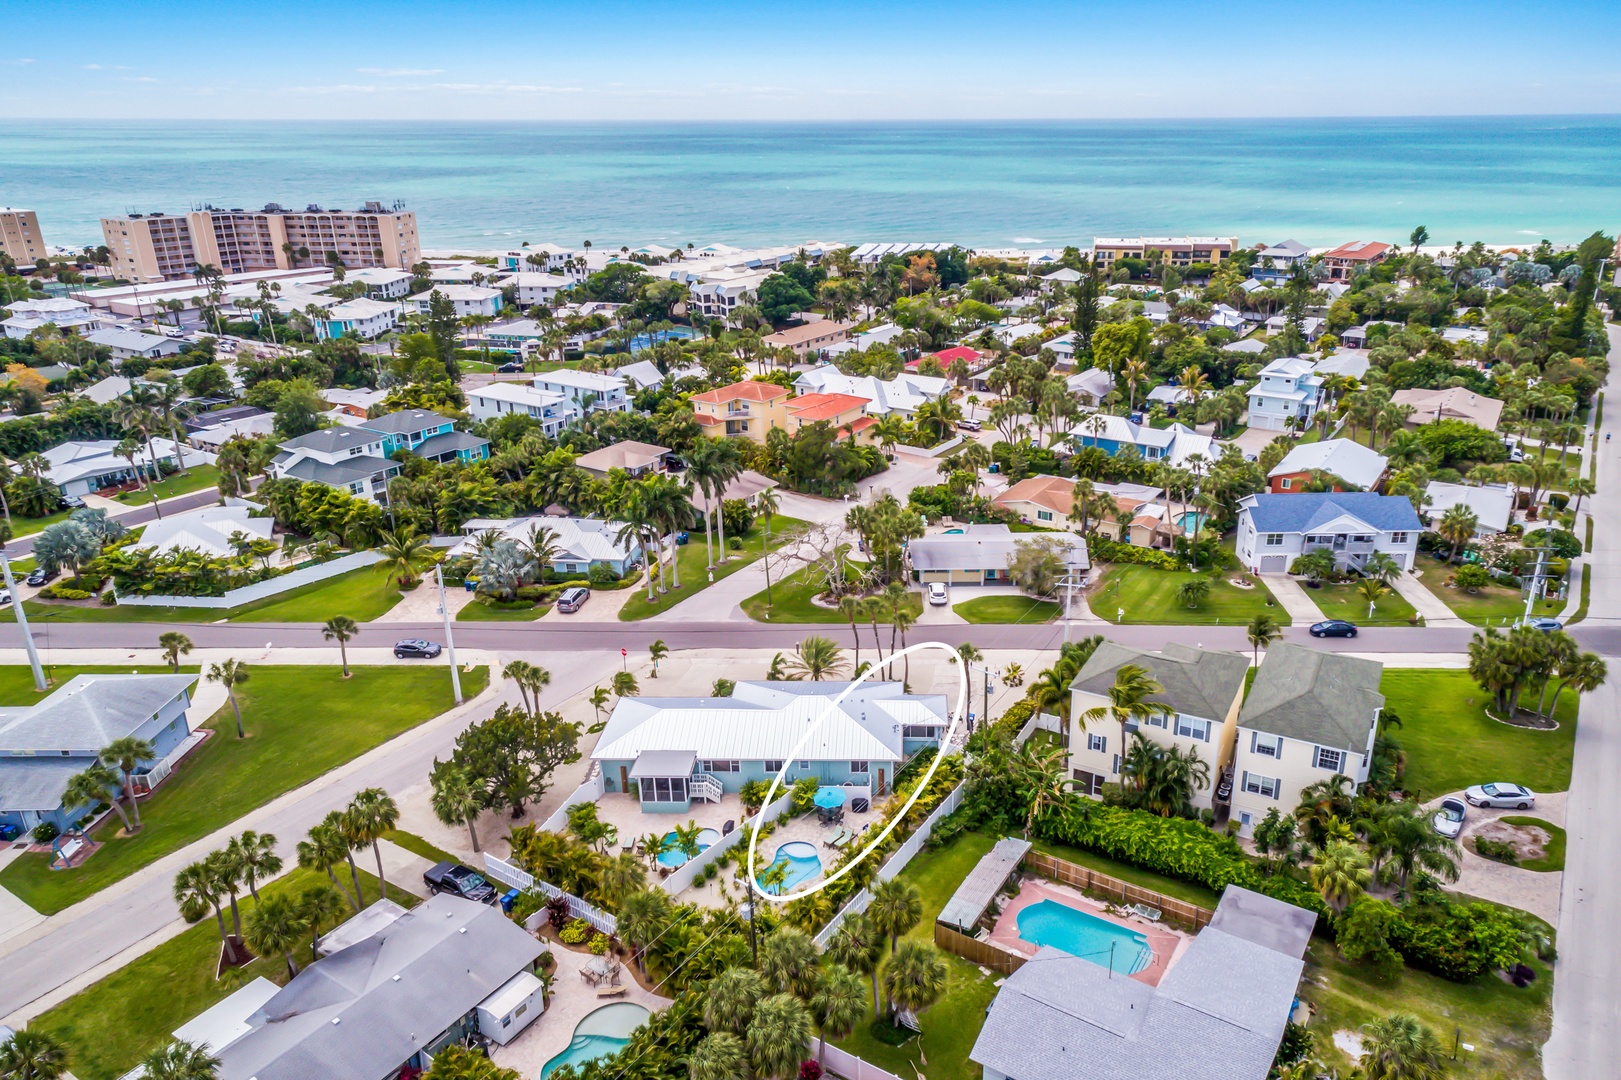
[{"x": 511, "y": 876}]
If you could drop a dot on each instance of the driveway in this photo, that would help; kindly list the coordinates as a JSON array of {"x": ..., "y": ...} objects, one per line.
[
  {"x": 1529, "y": 890},
  {"x": 16, "y": 917},
  {"x": 1294, "y": 599},
  {"x": 1425, "y": 602}
]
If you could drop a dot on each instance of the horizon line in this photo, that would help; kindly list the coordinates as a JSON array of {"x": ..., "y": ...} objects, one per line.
[{"x": 728, "y": 122}]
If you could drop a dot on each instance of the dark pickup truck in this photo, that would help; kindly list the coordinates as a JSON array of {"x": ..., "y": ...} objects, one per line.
[{"x": 458, "y": 880}]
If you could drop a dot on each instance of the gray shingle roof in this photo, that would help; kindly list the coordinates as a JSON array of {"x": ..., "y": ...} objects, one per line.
[
  {"x": 348, "y": 1015},
  {"x": 344, "y": 472},
  {"x": 33, "y": 783},
  {"x": 90, "y": 712},
  {"x": 1197, "y": 682},
  {"x": 1307, "y": 511},
  {"x": 1318, "y": 697},
  {"x": 435, "y": 445},
  {"x": 406, "y": 421},
  {"x": 331, "y": 440}
]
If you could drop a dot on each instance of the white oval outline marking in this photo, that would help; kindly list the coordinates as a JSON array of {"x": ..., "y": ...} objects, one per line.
[{"x": 777, "y": 781}]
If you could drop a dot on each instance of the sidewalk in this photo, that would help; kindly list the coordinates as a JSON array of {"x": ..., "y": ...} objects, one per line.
[
  {"x": 1426, "y": 603},
  {"x": 1294, "y": 599}
]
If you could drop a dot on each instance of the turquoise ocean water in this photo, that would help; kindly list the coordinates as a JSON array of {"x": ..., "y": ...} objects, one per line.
[{"x": 1502, "y": 180}]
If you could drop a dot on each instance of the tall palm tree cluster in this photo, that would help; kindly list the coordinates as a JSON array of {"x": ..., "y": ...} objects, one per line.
[
  {"x": 1507, "y": 664},
  {"x": 652, "y": 510}
]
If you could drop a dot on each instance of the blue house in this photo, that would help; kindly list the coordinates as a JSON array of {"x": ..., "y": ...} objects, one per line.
[
  {"x": 1112, "y": 434},
  {"x": 670, "y": 752},
  {"x": 428, "y": 435},
  {"x": 44, "y": 745}
]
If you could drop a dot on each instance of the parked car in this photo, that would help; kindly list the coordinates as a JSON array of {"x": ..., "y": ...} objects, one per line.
[
  {"x": 1448, "y": 820},
  {"x": 458, "y": 880},
  {"x": 1543, "y": 623},
  {"x": 970, "y": 425},
  {"x": 937, "y": 593},
  {"x": 1502, "y": 796},
  {"x": 1333, "y": 628},
  {"x": 416, "y": 647},
  {"x": 5, "y": 597},
  {"x": 40, "y": 576},
  {"x": 509, "y": 367},
  {"x": 71, "y": 502},
  {"x": 573, "y": 599}
]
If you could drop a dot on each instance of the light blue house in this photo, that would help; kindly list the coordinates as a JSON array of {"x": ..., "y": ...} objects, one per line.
[
  {"x": 670, "y": 752},
  {"x": 1173, "y": 444},
  {"x": 428, "y": 434},
  {"x": 43, "y": 745}
]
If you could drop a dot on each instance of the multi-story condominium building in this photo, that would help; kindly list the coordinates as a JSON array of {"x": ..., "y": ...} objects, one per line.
[
  {"x": 587, "y": 390},
  {"x": 20, "y": 236},
  {"x": 745, "y": 409},
  {"x": 1288, "y": 393},
  {"x": 1309, "y": 716},
  {"x": 495, "y": 400},
  {"x": 1348, "y": 260},
  {"x": 1177, "y": 250},
  {"x": 1278, "y": 261},
  {"x": 383, "y": 282},
  {"x": 1274, "y": 529},
  {"x": 160, "y": 247}
]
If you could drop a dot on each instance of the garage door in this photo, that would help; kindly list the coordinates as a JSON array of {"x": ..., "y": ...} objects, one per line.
[{"x": 1274, "y": 564}]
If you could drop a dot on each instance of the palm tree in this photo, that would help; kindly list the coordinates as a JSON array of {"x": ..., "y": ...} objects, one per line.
[
  {"x": 686, "y": 839},
  {"x": 33, "y": 1054},
  {"x": 1194, "y": 591},
  {"x": 341, "y": 628},
  {"x": 276, "y": 925},
  {"x": 727, "y": 466},
  {"x": 1043, "y": 776},
  {"x": 859, "y": 946},
  {"x": 182, "y": 1060},
  {"x": 915, "y": 976},
  {"x": 90, "y": 788},
  {"x": 640, "y": 522},
  {"x": 456, "y": 800},
  {"x": 1583, "y": 673},
  {"x": 1128, "y": 700},
  {"x": 168, "y": 401},
  {"x": 816, "y": 658},
  {"x": 1401, "y": 1047},
  {"x": 1262, "y": 632},
  {"x": 1370, "y": 590},
  {"x": 720, "y": 1056},
  {"x": 731, "y": 999},
  {"x": 1457, "y": 526},
  {"x": 788, "y": 961},
  {"x": 228, "y": 875},
  {"x": 1340, "y": 874},
  {"x": 643, "y": 916},
  {"x": 174, "y": 645},
  {"x": 659, "y": 651},
  {"x": 231, "y": 673},
  {"x": 405, "y": 553},
  {"x": 372, "y": 814},
  {"x": 255, "y": 854},
  {"x": 779, "y": 1037},
  {"x": 318, "y": 906},
  {"x": 896, "y": 907},
  {"x": 325, "y": 849},
  {"x": 124, "y": 755},
  {"x": 196, "y": 891},
  {"x": 624, "y": 684},
  {"x": 850, "y": 606}
]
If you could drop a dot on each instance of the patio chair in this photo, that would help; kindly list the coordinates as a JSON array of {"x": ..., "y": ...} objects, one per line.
[
  {"x": 1152, "y": 914},
  {"x": 840, "y": 838},
  {"x": 611, "y": 991},
  {"x": 726, "y": 829}
]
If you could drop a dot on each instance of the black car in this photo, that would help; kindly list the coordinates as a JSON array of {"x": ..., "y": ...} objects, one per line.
[
  {"x": 573, "y": 599},
  {"x": 509, "y": 367},
  {"x": 1333, "y": 628},
  {"x": 458, "y": 880},
  {"x": 40, "y": 576},
  {"x": 71, "y": 502},
  {"x": 416, "y": 647}
]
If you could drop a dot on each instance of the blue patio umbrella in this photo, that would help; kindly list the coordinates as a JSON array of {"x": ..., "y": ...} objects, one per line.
[{"x": 830, "y": 798}]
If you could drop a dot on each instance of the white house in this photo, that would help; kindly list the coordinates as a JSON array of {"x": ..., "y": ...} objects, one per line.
[
  {"x": 124, "y": 344},
  {"x": 1274, "y": 529},
  {"x": 383, "y": 282},
  {"x": 581, "y": 543},
  {"x": 1061, "y": 278},
  {"x": 366, "y": 319},
  {"x": 587, "y": 390},
  {"x": 718, "y": 298},
  {"x": 1310, "y": 715},
  {"x": 207, "y": 529},
  {"x": 1493, "y": 504},
  {"x": 1091, "y": 385},
  {"x": 1289, "y": 390},
  {"x": 882, "y": 334},
  {"x": 1311, "y": 326},
  {"x": 1346, "y": 459},
  {"x": 80, "y": 468},
  {"x": 904, "y": 394},
  {"x": 79, "y": 318},
  {"x": 468, "y": 299},
  {"x": 553, "y": 410},
  {"x": 534, "y": 288},
  {"x": 1112, "y": 434}
]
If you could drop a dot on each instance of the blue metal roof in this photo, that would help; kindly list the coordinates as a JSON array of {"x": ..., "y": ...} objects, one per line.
[{"x": 1307, "y": 511}]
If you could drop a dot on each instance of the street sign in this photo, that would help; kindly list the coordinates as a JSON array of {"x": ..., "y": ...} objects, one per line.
[{"x": 622, "y": 652}]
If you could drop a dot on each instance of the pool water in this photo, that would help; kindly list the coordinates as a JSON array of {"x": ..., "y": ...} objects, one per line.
[
  {"x": 1192, "y": 522},
  {"x": 802, "y": 862},
  {"x": 672, "y": 856},
  {"x": 1084, "y": 935},
  {"x": 601, "y": 1033},
  {"x": 952, "y": 532}
]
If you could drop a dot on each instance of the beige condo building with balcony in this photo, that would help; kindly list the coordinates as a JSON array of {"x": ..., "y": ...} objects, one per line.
[
  {"x": 20, "y": 236},
  {"x": 745, "y": 410}
]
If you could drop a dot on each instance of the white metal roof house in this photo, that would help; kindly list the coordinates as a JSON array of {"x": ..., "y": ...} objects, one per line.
[
  {"x": 1346, "y": 459},
  {"x": 207, "y": 529},
  {"x": 670, "y": 751},
  {"x": 581, "y": 542},
  {"x": 82, "y": 467},
  {"x": 904, "y": 394},
  {"x": 123, "y": 343},
  {"x": 468, "y": 300},
  {"x": 1493, "y": 504},
  {"x": 981, "y": 554},
  {"x": 363, "y": 318},
  {"x": 590, "y": 391}
]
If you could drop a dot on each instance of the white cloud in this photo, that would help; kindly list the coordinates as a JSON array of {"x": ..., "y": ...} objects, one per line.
[
  {"x": 396, "y": 73},
  {"x": 92, "y": 67}
]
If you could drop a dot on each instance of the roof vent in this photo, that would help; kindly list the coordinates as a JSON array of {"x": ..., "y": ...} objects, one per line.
[
  {"x": 396, "y": 978},
  {"x": 461, "y": 929},
  {"x": 336, "y": 1020}
]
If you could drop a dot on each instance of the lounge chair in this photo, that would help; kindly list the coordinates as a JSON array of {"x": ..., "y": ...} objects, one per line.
[
  {"x": 610, "y": 991},
  {"x": 1152, "y": 914},
  {"x": 726, "y": 829},
  {"x": 835, "y": 840},
  {"x": 842, "y": 837}
]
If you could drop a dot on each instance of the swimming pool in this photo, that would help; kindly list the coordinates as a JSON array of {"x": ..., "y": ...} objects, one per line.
[
  {"x": 802, "y": 862},
  {"x": 1084, "y": 935},
  {"x": 673, "y": 856},
  {"x": 952, "y": 532},
  {"x": 600, "y": 1033},
  {"x": 1192, "y": 521}
]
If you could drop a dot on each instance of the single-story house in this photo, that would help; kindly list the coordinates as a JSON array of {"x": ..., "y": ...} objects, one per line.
[
  {"x": 382, "y": 1007},
  {"x": 636, "y": 458},
  {"x": 981, "y": 555},
  {"x": 1493, "y": 504},
  {"x": 809, "y": 337},
  {"x": 1359, "y": 467},
  {"x": 1046, "y": 501},
  {"x": 126, "y": 344},
  {"x": 1274, "y": 529},
  {"x": 642, "y": 375},
  {"x": 669, "y": 751},
  {"x": 207, "y": 529},
  {"x": 582, "y": 543},
  {"x": 44, "y": 745},
  {"x": 1311, "y": 326},
  {"x": 1112, "y": 434},
  {"x": 1453, "y": 403},
  {"x": 1349, "y": 363},
  {"x": 747, "y": 488},
  {"x": 1091, "y": 385},
  {"x": 1220, "y": 1011},
  {"x": 83, "y": 467}
]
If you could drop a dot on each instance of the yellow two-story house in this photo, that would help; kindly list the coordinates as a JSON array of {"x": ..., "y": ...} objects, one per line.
[{"x": 745, "y": 410}]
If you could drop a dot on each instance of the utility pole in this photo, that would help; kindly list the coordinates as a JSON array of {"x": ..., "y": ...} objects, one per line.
[
  {"x": 450, "y": 642},
  {"x": 22, "y": 622}
]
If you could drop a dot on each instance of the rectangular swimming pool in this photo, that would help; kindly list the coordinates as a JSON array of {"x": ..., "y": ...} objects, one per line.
[{"x": 1086, "y": 936}]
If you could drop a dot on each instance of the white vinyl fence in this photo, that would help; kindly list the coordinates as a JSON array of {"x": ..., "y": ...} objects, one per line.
[
  {"x": 507, "y": 874},
  {"x": 588, "y": 792},
  {"x": 681, "y": 880},
  {"x": 259, "y": 590},
  {"x": 847, "y": 1065}
]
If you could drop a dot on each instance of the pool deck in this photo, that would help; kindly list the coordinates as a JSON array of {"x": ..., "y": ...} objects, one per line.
[
  {"x": 1167, "y": 944},
  {"x": 570, "y": 1001}
]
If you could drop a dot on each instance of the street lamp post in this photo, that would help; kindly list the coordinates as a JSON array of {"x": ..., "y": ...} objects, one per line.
[
  {"x": 450, "y": 642},
  {"x": 22, "y": 623}
]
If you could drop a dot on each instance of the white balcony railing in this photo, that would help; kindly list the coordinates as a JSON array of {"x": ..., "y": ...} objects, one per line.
[{"x": 706, "y": 787}]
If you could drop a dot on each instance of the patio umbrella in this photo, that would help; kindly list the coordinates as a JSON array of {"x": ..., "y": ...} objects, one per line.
[{"x": 830, "y": 798}]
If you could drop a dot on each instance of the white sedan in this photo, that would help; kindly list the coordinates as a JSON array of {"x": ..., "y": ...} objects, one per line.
[
  {"x": 1448, "y": 820},
  {"x": 937, "y": 594},
  {"x": 1503, "y": 796}
]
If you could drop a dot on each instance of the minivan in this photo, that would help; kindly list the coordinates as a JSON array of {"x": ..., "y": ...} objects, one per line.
[{"x": 572, "y": 599}]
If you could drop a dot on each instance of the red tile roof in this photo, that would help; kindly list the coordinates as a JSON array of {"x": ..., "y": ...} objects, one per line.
[
  {"x": 1358, "y": 251},
  {"x": 812, "y": 407},
  {"x": 751, "y": 391},
  {"x": 962, "y": 352},
  {"x": 857, "y": 426}
]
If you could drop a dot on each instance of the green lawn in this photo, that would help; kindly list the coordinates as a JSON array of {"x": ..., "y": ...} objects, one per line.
[
  {"x": 302, "y": 722},
  {"x": 414, "y": 843},
  {"x": 1553, "y": 857},
  {"x": 27, "y": 526},
  {"x": 691, "y": 563},
  {"x": 1494, "y": 605},
  {"x": 1451, "y": 742},
  {"x": 362, "y": 595},
  {"x": 1007, "y": 609},
  {"x": 196, "y": 478},
  {"x": 791, "y": 602},
  {"x": 1344, "y": 602},
  {"x": 110, "y": 1025},
  {"x": 1186, "y": 891},
  {"x": 478, "y": 612},
  {"x": 1506, "y": 1026},
  {"x": 1149, "y": 596},
  {"x": 952, "y": 1024}
]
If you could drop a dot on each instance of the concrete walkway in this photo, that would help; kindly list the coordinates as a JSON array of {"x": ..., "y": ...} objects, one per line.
[
  {"x": 1294, "y": 599},
  {"x": 1425, "y": 602},
  {"x": 16, "y": 917},
  {"x": 421, "y": 604}
]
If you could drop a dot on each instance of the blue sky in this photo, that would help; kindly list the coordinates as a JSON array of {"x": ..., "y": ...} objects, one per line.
[{"x": 761, "y": 60}]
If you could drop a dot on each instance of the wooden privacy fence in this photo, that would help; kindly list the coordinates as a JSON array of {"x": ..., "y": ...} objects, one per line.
[
  {"x": 978, "y": 952},
  {"x": 1084, "y": 878}
]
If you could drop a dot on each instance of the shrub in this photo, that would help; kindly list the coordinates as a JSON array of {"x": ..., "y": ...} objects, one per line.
[
  {"x": 599, "y": 943},
  {"x": 1563, "y": 544},
  {"x": 1460, "y": 942},
  {"x": 1017, "y": 715},
  {"x": 1105, "y": 550},
  {"x": 63, "y": 591},
  {"x": 804, "y": 794},
  {"x": 529, "y": 901},
  {"x": 601, "y": 575},
  {"x": 737, "y": 516},
  {"x": 1364, "y": 935},
  {"x": 575, "y": 932},
  {"x": 557, "y": 912},
  {"x": 734, "y": 543},
  {"x": 1472, "y": 576},
  {"x": 45, "y": 832},
  {"x": 1501, "y": 850}
]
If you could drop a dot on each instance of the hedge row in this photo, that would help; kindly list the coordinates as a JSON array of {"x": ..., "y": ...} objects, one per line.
[{"x": 1104, "y": 550}]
